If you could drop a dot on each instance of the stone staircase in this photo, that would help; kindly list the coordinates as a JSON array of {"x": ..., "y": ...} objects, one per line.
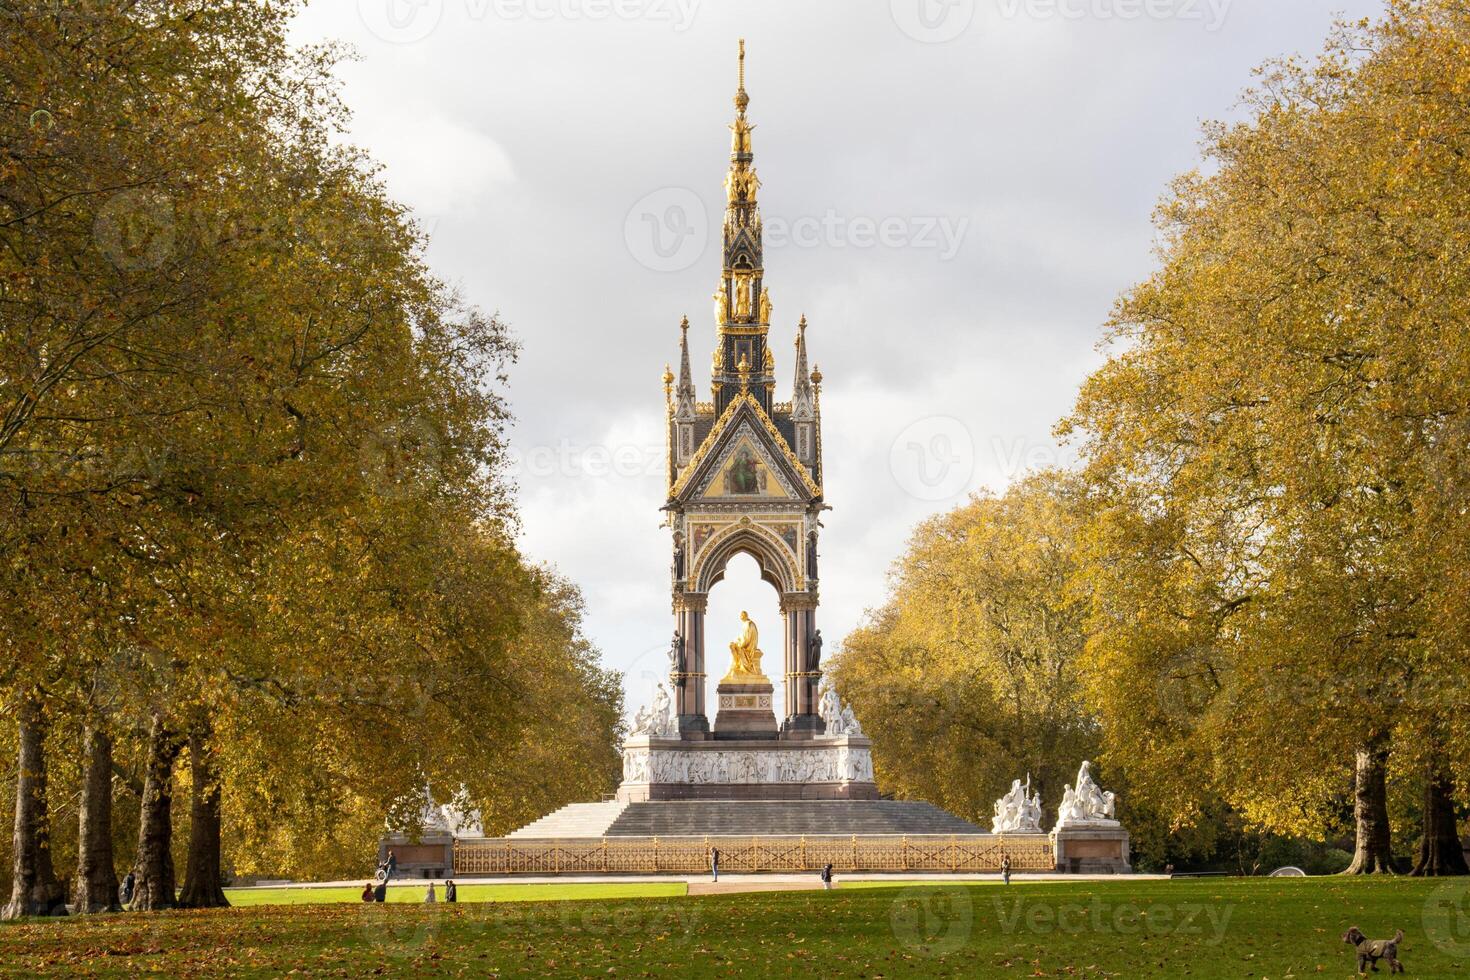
[
  {"x": 574, "y": 820},
  {"x": 732, "y": 818}
]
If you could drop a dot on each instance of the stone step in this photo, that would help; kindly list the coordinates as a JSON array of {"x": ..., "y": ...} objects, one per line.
[
  {"x": 701, "y": 818},
  {"x": 574, "y": 820}
]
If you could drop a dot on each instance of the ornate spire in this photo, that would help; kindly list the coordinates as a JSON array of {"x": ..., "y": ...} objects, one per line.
[
  {"x": 685, "y": 392},
  {"x": 803, "y": 400},
  {"x": 742, "y": 303}
]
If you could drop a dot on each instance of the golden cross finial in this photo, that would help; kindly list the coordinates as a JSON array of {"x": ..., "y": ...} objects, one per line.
[{"x": 741, "y": 99}]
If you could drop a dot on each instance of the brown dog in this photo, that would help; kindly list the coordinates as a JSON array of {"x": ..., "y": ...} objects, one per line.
[{"x": 1370, "y": 951}]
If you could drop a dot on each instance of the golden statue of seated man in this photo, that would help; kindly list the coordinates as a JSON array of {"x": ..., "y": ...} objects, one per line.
[{"x": 744, "y": 652}]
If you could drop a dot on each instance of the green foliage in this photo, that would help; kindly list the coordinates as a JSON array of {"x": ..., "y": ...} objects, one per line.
[{"x": 967, "y": 678}]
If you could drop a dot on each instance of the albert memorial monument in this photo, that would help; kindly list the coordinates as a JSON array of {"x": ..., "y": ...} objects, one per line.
[{"x": 777, "y": 772}]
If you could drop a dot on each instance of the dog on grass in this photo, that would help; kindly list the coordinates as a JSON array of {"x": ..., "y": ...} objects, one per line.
[{"x": 1370, "y": 951}]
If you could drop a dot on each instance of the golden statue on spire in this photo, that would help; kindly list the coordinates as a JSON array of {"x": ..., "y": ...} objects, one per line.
[{"x": 741, "y": 182}]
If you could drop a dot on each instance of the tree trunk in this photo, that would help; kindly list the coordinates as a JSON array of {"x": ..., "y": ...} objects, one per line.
[
  {"x": 34, "y": 888},
  {"x": 1440, "y": 851},
  {"x": 1374, "y": 850},
  {"x": 202, "y": 889},
  {"x": 155, "y": 867},
  {"x": 96, "y": 883}
]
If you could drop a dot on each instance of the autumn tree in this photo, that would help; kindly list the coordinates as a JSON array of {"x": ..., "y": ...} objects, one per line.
[
  {"x": 1262, "y": 448},
  {"x": 967, "y": 677}
]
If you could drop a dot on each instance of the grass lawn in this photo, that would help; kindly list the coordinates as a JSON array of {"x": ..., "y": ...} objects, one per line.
[
  {"x": 1265, "y": 928},
  {"x": 413, "y": 892}
]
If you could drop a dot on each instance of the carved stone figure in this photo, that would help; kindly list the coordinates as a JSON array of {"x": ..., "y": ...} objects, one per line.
[
  {"x": 676, "y": 653},
  {"x": 815, "y": 644},
  {"x": 663, "y": 723},
  {"x": 1018, "y": 812},
  {"x": 1086, "y": 803}
]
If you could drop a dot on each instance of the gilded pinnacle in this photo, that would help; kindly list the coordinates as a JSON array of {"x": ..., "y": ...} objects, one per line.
[{"x": 741, "y": 99}]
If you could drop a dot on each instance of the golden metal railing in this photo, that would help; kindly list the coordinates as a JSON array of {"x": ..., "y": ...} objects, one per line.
[{"x": 690, "y": 855}]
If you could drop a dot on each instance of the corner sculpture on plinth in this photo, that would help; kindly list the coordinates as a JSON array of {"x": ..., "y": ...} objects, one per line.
[
  {"x": 1019, "y": 811},
  {"x": 1088, "y": 839},
  {"x": 837, "y": 718},
  {"x": 1085, "y": 804},
  {"x": 658, "y": 720}
]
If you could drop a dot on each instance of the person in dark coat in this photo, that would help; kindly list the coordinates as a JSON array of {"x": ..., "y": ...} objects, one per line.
[
  {"x": 451, "y": 893},
  {"x": 1005, "y": 868},
  {"x": 129, "y": 884},
  {"x": 392, "y": 865},
  {"x": 367, "y": 892},
  {"x": 714, "y": 863},
  {"x": 827, "y": 877},
  {"x": 380, "y": 894}
]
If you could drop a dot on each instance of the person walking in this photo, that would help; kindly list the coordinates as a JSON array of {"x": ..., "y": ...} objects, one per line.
[
  {"x": 1005, "y": 868},
  {"x": 714, "y": 863},
  {"x": 391, "y": 867},
  {"x": 451, "y": 893},
  {"x": 129, "y": 883},
  {"x": 827, "y": 877},
  {"x": 429, "y": 896}
]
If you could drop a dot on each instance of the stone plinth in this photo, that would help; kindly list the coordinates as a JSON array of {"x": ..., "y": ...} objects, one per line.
[
  {"x": 835, "y": 768},
  {"x": 746, "y": 709},
  {"x": 1092, "y": 848}
]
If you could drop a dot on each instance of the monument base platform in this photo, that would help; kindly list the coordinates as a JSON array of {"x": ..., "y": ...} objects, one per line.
[
  {"x": 1092, "y": 848},
  {"x": 823, "y": 768}
]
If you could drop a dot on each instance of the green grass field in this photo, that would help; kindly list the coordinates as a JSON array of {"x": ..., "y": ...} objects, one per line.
[
  {"x": 412, "y": 892},
  {"x": 1265, "y": 928}
]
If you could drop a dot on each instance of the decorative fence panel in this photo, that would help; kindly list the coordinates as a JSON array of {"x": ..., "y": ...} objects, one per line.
[{"x": 691, "y": 855}]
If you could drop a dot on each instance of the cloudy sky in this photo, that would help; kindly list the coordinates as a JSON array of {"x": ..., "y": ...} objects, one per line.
[{"x": 954, "y": 193}]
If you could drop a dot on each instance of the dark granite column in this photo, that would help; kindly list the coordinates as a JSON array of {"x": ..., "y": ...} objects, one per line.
[
  {"x": 800, "y": 610},
  {"x": 689, "y": 609}
]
